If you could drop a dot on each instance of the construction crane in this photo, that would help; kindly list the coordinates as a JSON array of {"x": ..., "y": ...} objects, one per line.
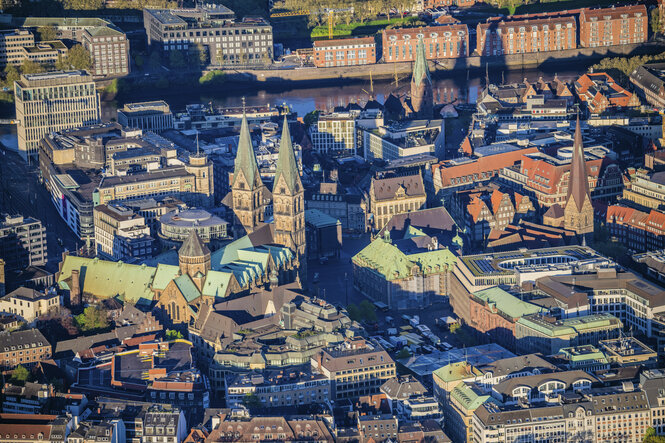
[
  {"x": 290, "y": 13},
  {"x": 331, "y": 18}
]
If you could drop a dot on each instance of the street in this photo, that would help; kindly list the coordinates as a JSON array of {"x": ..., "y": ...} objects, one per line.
[{"x": 21, "y": 193}]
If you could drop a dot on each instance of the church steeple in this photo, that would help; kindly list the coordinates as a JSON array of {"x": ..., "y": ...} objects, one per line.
[
  {"x": 194, "y": 258},
  {"x": 289, "y": 201},
  {"x": 578, "y": 212},
  {"x": 422, "y": 99},
  {"x": 247, "y": 190}
]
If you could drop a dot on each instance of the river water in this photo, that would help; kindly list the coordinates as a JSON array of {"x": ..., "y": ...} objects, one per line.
[
  {"x": 455, "y": 88},
  {"x": 460, "y": 89}
]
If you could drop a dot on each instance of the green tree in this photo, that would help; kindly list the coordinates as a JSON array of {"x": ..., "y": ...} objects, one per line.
[
  {"x": 93, "y": 318},
  {"x": 20, "y": 375},
  {"x": 212, "y": 78},
  {"x": 139, "y": 61},
  {"x": 30, "y": 67},
  {"x": 172, "y": 334},
  {"x": 655, "y": 21},
  {"x": 311, "y": 118},
  {"x": 199, "y": 54},
  {"x": 403, "y": 353},
  {"x": 176, "y": 59},
  {"x": 251, "y": 401},
  {"x": 77, "y": 58},
  {"x": 11, "y": 75},
  {"x": 367, "y": 310},
  {"x": 454, "y": 328},
  {"x": 47, "y": 33},
  {"x": 650, "y": 436},
  {"x": 354, "y": 312},
  {"x": 155, "y": 60}
]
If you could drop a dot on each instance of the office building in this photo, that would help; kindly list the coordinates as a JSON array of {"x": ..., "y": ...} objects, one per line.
[
  {"x": 355, "y": 368},
  {"x": 394, "y": 195},
  {"x": 12, "y": 42},
  {"x": 51, "y": 102},
  {"x": 334, "y": 134},
  {"x": 344, "y": 52},
  {"x": 212, "y": 29},
  {"x": 152, "y": 116},
  {"x": 120, "y": 234},
  {"x": 618, "y": 25},
  {"x": 440, "y": 42},
  {"x": 22, "y": 242},
  {"x": 341, "y": 204},
  {"x": 399, "y": 139}
]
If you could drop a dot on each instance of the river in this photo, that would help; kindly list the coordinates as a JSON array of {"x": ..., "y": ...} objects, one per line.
[
  {"x": 325, "y": 98},
  {"x": 303, "y": 100}
]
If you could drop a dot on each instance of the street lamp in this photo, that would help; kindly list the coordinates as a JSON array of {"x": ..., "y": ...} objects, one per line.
[{"x": 346, "y": 287}]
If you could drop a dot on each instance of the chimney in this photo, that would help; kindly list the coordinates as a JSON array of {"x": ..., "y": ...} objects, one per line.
[{"x": 75, "y": 289}]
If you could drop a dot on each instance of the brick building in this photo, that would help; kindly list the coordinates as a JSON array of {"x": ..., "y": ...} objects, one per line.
[
  {"x": 600, "y": 93},
  {"x": 344, "y": 52},
  {"x": 499, "y": 37},
  {"x": 613, "y": 26},
  {"x": 23, "y": 348},
  {"x": 447, "y": 41},
  {"x": 109, "y": 50},
  {"x": 638, "y": 230}
]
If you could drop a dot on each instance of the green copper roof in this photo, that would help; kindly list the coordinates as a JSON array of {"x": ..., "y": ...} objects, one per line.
[
  {"x": 590, "y": 354},
  {"x": 455, "y": 372},
  {"x": 389, "y": 261},
  {"x": 245, "y": 158},
  {"x": 507, "y": 303},
  {"x": 287, "y": 166},
  {"x": 187, "y": 287},
  {"x": 420, "y": 68},
  {"x": 164, "y": 274},
  {"x": 412, "y": 232},
  {"x": 217, "y": 284},
  {"x": 468, "y": 398},
  {"x": 107, "y": 279},
  {"x": 571, "y": 326}
]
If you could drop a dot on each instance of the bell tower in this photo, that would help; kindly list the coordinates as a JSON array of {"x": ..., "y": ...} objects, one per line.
[
  {"x": 247, "y": 190},
  {"x": 289, "y": 201},
  {"x": 578, "y": 212}
]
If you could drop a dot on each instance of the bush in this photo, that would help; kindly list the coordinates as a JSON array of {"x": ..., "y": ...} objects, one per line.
[
  {"x": 92, "y": 319},
  {"x": 212, "y": 78},
  {"x": 172, "y": 334}
]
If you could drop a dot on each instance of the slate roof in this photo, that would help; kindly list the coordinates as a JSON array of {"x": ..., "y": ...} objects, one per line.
[
  {"x": 386, "y": 188},
  {"x": 403, "y": 388},
  {"x": 193, "y": 246},
  {"x": 24, "y": 338}
]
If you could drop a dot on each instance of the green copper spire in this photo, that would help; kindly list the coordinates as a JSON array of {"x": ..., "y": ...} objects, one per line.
[
  {"x": 245, "y": 158},
  {"x": 420, "y": 68},
  {"x": 286, "y": 161}
]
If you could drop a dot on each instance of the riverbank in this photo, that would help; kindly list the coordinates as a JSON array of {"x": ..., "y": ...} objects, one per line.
[{"x": 582, "y": 57}]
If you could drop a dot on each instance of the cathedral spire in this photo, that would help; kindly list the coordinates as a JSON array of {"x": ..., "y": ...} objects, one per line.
[
  {"x": 420, "y": 68},
  {"x": 578, "y": 184},
  {"x": 245, "y": 158},
  {"x": 287, "y": 167},
  {"x": 421, "y": 97}
]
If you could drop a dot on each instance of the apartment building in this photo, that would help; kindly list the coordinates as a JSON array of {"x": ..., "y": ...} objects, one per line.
[
  {"x": 107, "y": 44},
  {"x": 645, "y": 188},
  {"x": 29, "y": 303},
  {"x": 25, "y": 347},
  {"x": 224, "y": 41},
  {"x": 109, "y": 50},
  {"x": 283, "y": 388},
  {"x": 394, "y": 195},
  {"x": 530, "y": 35},
  {"x": 33, "y": 428},
  {"x": 51, "y": 102},
  {"x": 440, "y": 42},
  {"x": 12, "y": 42},
  {"x": 120, "y": 234},
  {"x": 600, "y": 93},
  {"x": 638, "y": 230},
  {"x": 649, "y": 80},
  {"x": 334, "y": 134},
  {"x": 344, "y": 52},
  {"x": 618, "y": 25},
  {"x": 355, "y": 368},
  {"x": 22, "y": 242}
]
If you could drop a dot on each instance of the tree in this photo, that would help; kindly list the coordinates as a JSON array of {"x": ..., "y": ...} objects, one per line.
[
  {"x": 251, "y": 401},
  {"x": 92, "y": 319},
  {"x": 155, "y": 60},
  {"x": 77, "y": 58},
  {"x": 172, "y": 334},
  {"x": 176, "y": 60},
  {"x": 454, "y": 328},
  {"x": 47, "y": 33},
  {"x": 655, "y": 21},
  {"x": 199, "y": 55},
  {"x": 11, "y": 75},
  {"x": 368, "y": 311},
  {"x": 20, "y": 375},
  {"x": 30, "y": 67},
  {"x": 311, "y": 118},
  {"x": 354, "y": 312},
  {"x": 650, "y": 436},
  {"x": 138, "y": 60}
]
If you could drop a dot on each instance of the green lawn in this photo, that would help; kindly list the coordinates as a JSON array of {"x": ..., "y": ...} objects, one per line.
[{"x": 361, "y": 29}]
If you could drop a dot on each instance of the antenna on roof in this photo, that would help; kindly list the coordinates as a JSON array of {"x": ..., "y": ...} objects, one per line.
[{"x": 197, "y": 142}]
